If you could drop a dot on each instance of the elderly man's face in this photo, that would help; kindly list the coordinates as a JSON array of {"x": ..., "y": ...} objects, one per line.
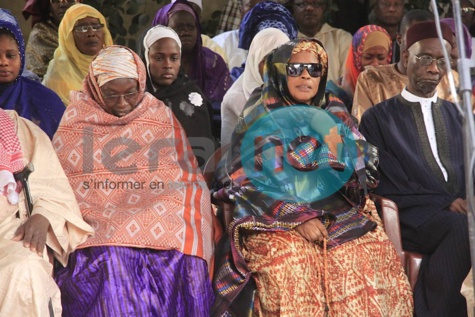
[{"x": 423, "y": 77}]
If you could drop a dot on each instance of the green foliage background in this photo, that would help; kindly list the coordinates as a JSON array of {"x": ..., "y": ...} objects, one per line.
[{"x": 127, "y": 19}]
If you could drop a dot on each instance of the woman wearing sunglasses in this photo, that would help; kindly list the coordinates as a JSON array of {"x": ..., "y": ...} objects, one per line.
[
  {"x": 82, "y": 34},
  {"x": 303, "y": 227}
]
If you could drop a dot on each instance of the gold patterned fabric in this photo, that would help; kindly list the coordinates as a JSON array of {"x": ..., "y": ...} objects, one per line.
[
  {"x": 362, "y": 277},
  {"x": 40, "y": 48}
]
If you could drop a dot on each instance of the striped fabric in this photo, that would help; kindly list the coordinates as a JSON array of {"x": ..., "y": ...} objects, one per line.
[
  {"x": 113, "y": 64},
  {"x": 139, "y": 282}
]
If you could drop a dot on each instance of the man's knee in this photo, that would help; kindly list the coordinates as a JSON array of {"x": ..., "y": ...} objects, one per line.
[{"x": 458, "y": 224}]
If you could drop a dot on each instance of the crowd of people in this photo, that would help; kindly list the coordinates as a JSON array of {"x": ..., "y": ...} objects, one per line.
[{"x": 104, "y": 207}]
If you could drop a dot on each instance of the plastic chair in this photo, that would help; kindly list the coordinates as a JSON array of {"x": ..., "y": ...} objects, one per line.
[{"x": 388, "y": 211}]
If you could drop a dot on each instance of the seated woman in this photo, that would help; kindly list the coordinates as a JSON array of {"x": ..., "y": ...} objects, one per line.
[
  {"x": 236, "y": 97},
  {"x": 165, "y": 80},
  {"x": 303, "y": 227},
  {"x": 82, "y": 34},
  {"x": 371, "y": 45},
  {"x": 27, "y": 287},
  {"x": 30, "y": 99},
  {"x": 138, "y": 184},
  {"x": 43, "y": 40},
  {"x": 201, "y": 64}
]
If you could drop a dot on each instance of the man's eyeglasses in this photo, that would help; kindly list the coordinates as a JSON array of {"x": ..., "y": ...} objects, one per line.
[
  {"x": 296, "y": 69},
  {"x": 315, "y": 5},
  {"x": 116, "y": 98},
  {"x": 56, "y": 2},
  {"x": 85, "y": 28},
  {"x": 468, "y": 9},
  {"x": 427, "y": 60}
]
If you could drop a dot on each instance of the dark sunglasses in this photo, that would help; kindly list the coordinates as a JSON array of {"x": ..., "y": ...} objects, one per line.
[{"x": 296, "y": 69}]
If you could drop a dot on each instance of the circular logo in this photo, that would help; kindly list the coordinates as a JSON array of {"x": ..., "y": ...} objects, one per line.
[{"x": 298, "y": 154}]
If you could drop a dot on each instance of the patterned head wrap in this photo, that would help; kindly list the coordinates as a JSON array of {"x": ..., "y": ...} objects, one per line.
[
  {"x": 10, "y": 23},
  {"x": 359, "y": 45},
  {"x": 113, "y": 63},
  {"x": 275, "y": 74},
  {"x": 315, "y": 49},
  {"x": 363, "y": 35},
  {"x": 132, "y": 67},
  {"x": 267, "y": 14}
]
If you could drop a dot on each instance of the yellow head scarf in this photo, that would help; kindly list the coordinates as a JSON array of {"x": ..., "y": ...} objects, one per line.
[{"x": 69, "y": 66}]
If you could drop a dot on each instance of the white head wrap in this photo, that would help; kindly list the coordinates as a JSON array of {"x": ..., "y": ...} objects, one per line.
[
  {"x": 154, "y": 34},
  {"x": 262, "y": 44}
]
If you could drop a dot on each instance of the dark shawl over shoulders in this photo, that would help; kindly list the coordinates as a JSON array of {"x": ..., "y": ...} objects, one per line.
[
  {"x": 410, "y": 174},
  {"x": 194, "y": 112},
  {"x": 35, "y": 102}
]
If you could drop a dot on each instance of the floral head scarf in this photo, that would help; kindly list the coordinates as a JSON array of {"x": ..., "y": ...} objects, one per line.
[{"x": 359, "y": 45}]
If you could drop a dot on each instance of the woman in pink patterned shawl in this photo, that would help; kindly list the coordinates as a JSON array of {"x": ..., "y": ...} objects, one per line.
[{"x": 137, "y": 183}]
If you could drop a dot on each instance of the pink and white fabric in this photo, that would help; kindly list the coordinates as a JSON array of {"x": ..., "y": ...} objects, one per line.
[{"x": 11, "y": 157}]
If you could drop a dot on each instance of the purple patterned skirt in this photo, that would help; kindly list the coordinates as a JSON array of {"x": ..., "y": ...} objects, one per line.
[{"x": 125, "y": 281}]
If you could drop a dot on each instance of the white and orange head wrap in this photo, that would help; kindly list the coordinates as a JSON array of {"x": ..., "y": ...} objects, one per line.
[{"x": 114, "y": 63}]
